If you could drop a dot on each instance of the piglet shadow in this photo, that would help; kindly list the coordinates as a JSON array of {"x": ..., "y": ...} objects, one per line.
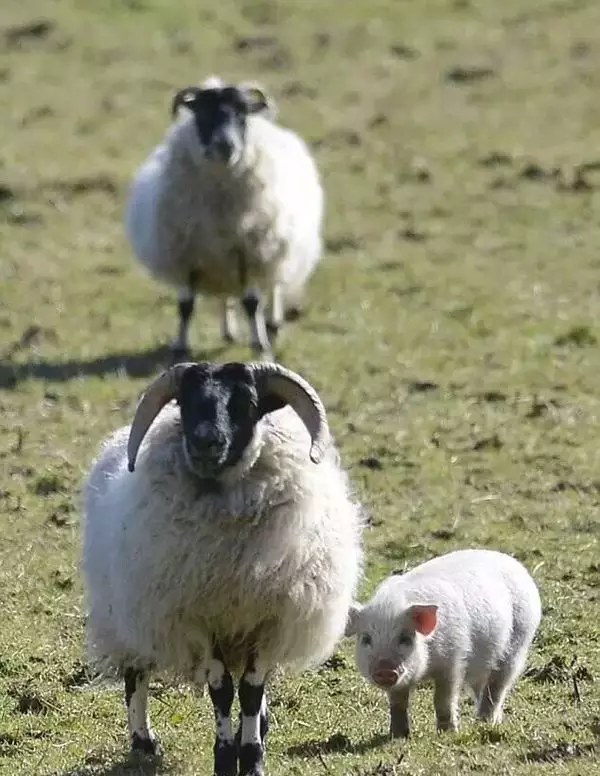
[{"x": 336, "y": 743}]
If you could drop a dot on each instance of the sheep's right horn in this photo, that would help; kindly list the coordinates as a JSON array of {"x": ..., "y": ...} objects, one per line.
[
  {"x": 182, "y": 97},
  {"x": 158, "y": 393},
  {"x": 302, "y": 397}
]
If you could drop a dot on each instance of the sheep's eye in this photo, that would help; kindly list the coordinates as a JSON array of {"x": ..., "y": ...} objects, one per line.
[
  {"x": 366, "y": 640},
  {"x": 405, "y": 640}
]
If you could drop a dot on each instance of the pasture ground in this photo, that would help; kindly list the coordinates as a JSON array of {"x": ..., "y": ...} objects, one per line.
[{"x": 452, "y": 330}]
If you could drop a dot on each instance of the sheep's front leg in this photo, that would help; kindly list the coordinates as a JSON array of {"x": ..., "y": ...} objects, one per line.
[
  {"x": 254, "y": 724},
  {"x": 220, "y": 687},
  {"x": 253, "y": 308},
  {"x": 185, "y": 303},
  {"x": 136, "y": 699},
  {"x": 228, "y": 320}
]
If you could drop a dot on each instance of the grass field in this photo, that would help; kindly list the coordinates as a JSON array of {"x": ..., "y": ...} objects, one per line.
[{"x": 452, "y": 329}]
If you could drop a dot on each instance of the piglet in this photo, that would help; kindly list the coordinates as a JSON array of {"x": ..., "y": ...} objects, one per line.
[{"x": 465, "y": 618}]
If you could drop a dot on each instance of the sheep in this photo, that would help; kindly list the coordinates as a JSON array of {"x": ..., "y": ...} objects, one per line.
[
  {"x": 467, "y": 617},
  {"x": 225, "y": 552},
  {"x": 229, "y": 204}
]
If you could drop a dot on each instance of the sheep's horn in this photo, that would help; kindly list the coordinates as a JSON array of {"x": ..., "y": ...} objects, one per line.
[
  {"x": 183, "y": 96},
  {"x": 301, "y": 396},
  {"x": 158, "y": 393}
]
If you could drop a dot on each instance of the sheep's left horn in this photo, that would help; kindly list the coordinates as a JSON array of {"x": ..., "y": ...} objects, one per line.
[
  {"x": 302, "y": 397},
  {"x": 182, "y": 97},
  {"x": 158, "y": 393}
]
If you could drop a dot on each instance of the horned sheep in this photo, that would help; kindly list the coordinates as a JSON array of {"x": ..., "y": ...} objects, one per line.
[{"x": 215, "y": 548}]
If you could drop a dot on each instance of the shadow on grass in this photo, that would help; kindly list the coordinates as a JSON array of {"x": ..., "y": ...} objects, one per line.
[
  {"x": 131, "y": 765},
  {"x": 335, "y": 744},
  {"x": 131, "y": 364}
]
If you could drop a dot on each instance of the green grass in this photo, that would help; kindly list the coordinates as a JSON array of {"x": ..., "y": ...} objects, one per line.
[{"x": 452, "y": 330}]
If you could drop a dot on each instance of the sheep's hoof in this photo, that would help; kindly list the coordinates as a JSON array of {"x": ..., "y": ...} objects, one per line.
[
  {"x": 178, "y": 354},
  {"x": 293, "y": 313},
  {"x": 263, "y": 355},
  {"x": 148, "y": 746},
  {"x": 272, "y": 330}
]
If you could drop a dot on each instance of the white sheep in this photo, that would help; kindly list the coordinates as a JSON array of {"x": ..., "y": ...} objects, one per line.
[
  {"x": 227, "y": 551},
  {"x": 229, "y": 204},
  {"x": 467, "y": 617}
]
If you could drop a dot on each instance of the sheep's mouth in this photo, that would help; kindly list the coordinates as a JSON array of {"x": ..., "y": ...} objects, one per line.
[
  {"x": 223, "y": 157},
  {"x": 206, "y": 466}
]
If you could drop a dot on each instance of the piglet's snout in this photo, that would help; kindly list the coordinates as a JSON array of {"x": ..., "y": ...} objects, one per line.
[{"x": 386, "y": 673}]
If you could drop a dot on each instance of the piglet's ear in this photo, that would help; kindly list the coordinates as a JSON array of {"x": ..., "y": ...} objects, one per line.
[
  {"x": 424, "y": 618},
  {"x": 352, "y": 621}
]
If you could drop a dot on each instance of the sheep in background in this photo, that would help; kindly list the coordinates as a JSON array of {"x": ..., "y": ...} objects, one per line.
[
  {"x": 229, "y": 204},
  {"x": 227, "y": 552},
  {"x": 467, "y": 617}
]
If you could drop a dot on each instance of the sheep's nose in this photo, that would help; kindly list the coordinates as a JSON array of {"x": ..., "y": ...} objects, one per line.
[
  {"x": 386, "y": 673},
  {"x": 223, "y": 148},
  {"x": 207, "y": 439}
]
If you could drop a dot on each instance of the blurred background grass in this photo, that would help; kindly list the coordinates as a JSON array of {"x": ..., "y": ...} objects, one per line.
[{"x": 452, "y": 331}]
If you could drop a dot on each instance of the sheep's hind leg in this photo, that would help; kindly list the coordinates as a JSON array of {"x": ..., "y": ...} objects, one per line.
[
  {"x": 185, "y": 304},
  {"x": 254, "y": 719},
  {"x": 275, "y": 311},
  {"x": 136, "y": 699},
  {"x": 220, "y": 687},
  {"x": 253, "y": 308},
  {"x": 228, "y": 320}
]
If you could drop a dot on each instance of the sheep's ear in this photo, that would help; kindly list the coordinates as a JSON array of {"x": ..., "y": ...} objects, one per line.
[
  {"x": 423, "y": 618},
  {"x": 353, "y": 619},
  {"x": 258, "y": 101},
  {"x": 183, "y": 97}
]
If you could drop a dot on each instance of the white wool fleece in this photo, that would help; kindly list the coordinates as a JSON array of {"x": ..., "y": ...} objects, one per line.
[
  {"x": 273, "y": 555},
  {"x": 185, "y": 215}
]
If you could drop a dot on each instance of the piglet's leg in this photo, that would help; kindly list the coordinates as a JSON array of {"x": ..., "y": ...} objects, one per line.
[
  {"x": 253, "y": 728},
  {"x": 399, "y": 722},
  {"x": 445, "y": 701},
  {"x": 498, "y": 685}
]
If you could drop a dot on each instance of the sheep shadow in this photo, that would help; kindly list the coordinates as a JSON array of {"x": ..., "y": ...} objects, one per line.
[
  {"x": 336, "y": 743},
  {"x": 130, "y": 765},
  {"x": 128, "y": 363}
]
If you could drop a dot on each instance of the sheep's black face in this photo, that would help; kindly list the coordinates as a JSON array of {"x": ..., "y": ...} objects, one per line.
[
  {"x": 220, "y": 116},
  {"x": 219, "y": 410}
]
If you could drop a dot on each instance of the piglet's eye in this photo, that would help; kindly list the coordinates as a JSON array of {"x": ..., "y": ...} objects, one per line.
[
  {"x": 405, "y": 640},
  {"x": 366, "y": 640}
]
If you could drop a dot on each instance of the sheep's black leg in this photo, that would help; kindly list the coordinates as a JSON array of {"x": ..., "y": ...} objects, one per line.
[
  {"x": 254, "y": 722},
  {"x": 185, "y": 304},
  {"x": 220, "y": 687},
  {"x": 136, "y": 699},
  {"x": 253, "y": 307}
]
